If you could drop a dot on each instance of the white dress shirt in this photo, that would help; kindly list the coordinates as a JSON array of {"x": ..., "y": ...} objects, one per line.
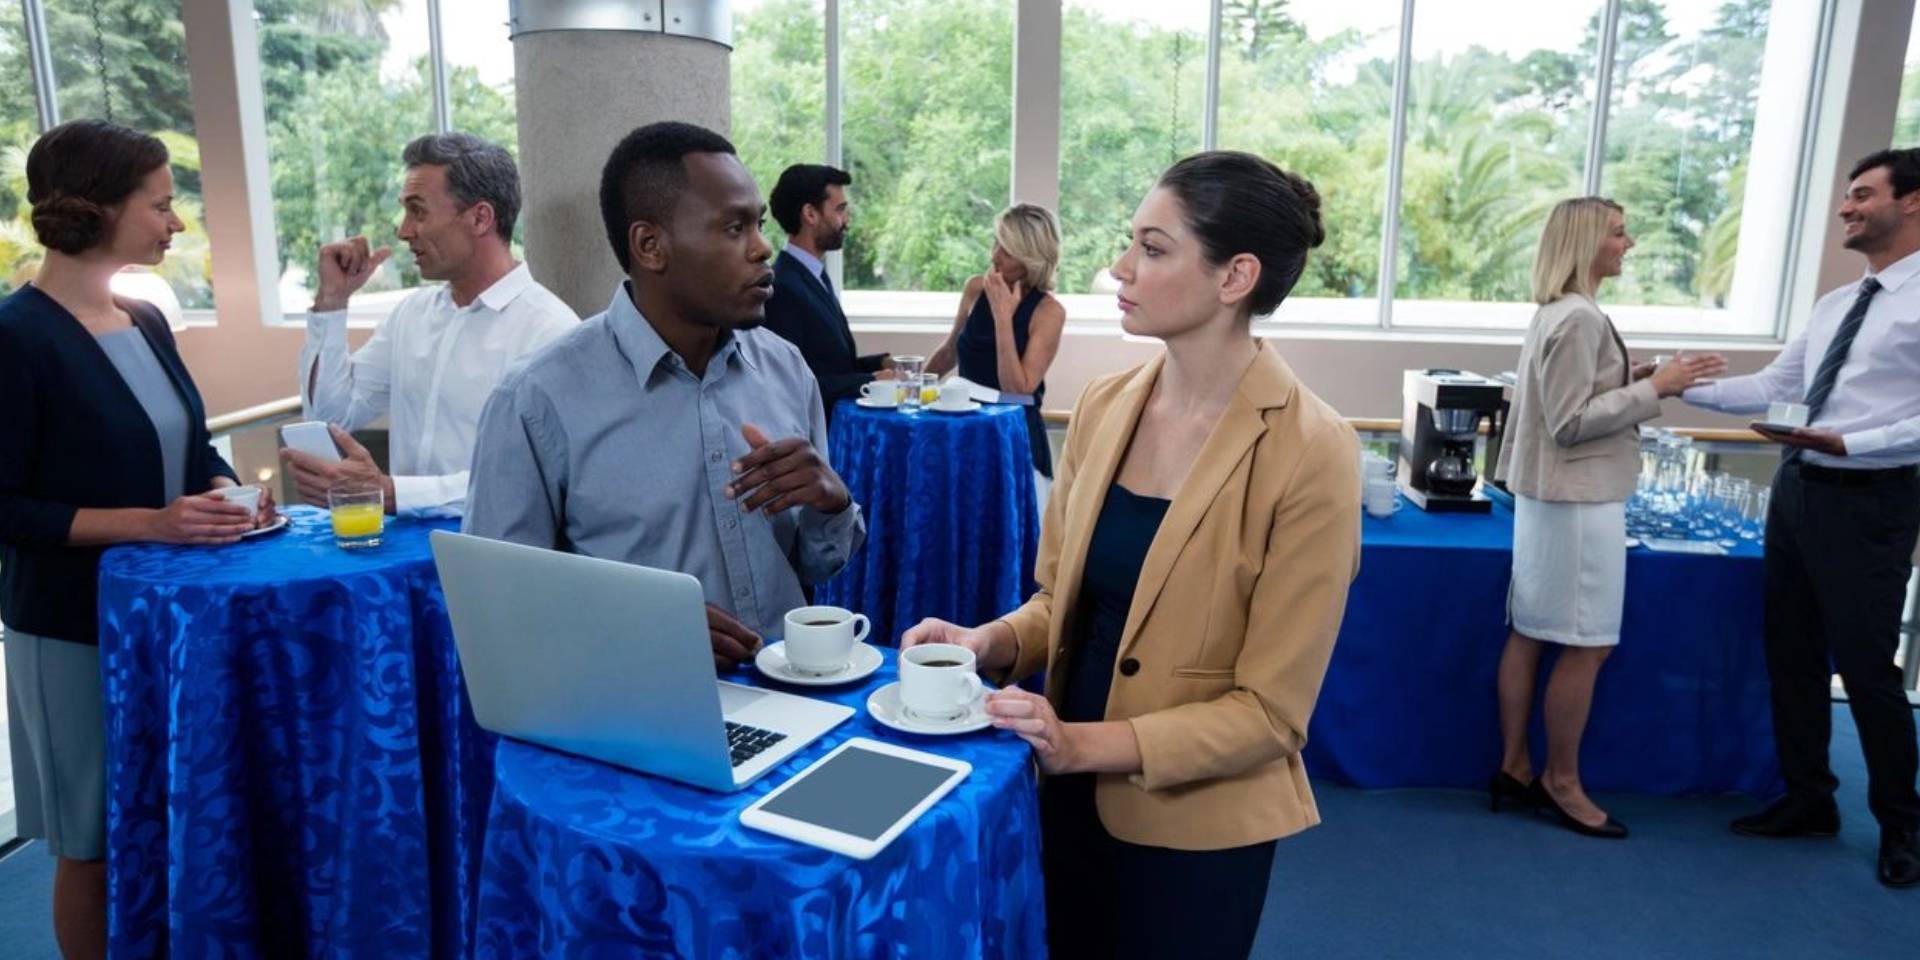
[
  {"x": 1875, "y": 404},
  {"x": 813, "y": 265},
  {"x": 429, "y": 367}
]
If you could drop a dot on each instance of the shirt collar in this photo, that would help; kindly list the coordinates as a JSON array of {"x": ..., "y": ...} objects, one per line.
[
  {"x": 642, "y": 344},
  {"x": 506, "y": 289},
  {"x": 1898, "y": 272},
  {"x": 808, "y": 260}
]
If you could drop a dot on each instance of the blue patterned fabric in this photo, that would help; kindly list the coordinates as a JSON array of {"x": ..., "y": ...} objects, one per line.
[
  {"x": 588, "y": 860},
  {"x": 1681, "y": 706},
  {"x": 952, "y": 525},
  {"x": 293, "y": 767}
]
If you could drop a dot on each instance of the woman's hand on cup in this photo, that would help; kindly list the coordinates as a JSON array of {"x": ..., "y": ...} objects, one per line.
[
  {"x": 990, "y": 650},
  {"x": 205, "y": 518}
]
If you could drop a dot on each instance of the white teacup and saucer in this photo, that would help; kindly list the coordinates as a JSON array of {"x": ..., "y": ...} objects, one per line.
[
  {"x": 879, "y": 395},
  {"x": 822, "y": 648},
  {"x": 938, "y": 693},
  {"x": 954, "y": 398}
]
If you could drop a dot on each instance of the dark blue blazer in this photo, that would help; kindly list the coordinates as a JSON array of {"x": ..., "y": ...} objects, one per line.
[
  {"x": 73, "y": 435},
  {"x": 810, "y": 318}
]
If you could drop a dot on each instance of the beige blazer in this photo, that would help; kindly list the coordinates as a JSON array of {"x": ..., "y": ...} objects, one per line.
[
  {"x": 1570, "y": 433},
  {"x": 1235, "y": 613}
]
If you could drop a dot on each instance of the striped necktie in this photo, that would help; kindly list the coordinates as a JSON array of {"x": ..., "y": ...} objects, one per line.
[{"x": 1823, "y": 379}]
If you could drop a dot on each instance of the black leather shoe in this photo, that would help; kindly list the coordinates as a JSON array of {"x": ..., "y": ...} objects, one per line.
[
  {"x": 1900, "y": 857},
  {"x": 1504, "y": 788},
  {"x": 1790, "y": 817},
  {"x": 1611, "y": 830}
]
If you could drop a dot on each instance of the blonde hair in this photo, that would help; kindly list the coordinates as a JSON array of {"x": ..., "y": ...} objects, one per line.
[
  {"x": 1564, "y": 263},
  {"x": 1030, "y": 234}
]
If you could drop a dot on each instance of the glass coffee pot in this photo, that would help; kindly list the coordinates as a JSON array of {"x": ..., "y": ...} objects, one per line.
[{"x": 1451, "y": 473}]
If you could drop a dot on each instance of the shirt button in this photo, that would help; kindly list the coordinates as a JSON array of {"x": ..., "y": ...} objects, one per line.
[
  {"x": 1129, "y": 667},
  {"x": 713, "y": 456},
  {"x": 731, "y": 523},
  {"x": 741, "y": 593}
]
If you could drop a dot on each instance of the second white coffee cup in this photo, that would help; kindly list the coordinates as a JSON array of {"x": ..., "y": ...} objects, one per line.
[
  {"x": 938, "y": 682},
  {"x": 885, "y": 393},
  {"x": 820, "y": 640},
  {"x": 245, "y": 495}
]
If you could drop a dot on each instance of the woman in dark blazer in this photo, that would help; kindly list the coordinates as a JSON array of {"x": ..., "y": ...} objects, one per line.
[{"x": 103, "y": 440}]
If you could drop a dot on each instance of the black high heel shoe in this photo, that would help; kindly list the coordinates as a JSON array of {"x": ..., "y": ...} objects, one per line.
[
  {"x": 1611, "y": 830},
  {"x": 1503, "y": 787}
]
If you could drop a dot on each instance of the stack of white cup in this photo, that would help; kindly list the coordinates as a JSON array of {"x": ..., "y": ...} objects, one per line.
[{"x": 1377, "y": 493}]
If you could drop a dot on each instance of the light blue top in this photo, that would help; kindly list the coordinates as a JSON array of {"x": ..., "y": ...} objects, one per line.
[
  {"x": 604, "y": 443},
  {"x": 134, "y": 358}
]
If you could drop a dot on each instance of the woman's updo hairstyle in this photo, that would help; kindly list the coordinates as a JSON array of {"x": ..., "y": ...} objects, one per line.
[
  {"x": 77, "y": 170},
  {"x": 1239, "y": 203}
]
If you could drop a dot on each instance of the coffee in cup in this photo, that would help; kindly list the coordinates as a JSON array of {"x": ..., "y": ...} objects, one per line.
[
  {"x": 819, "y": 640},
  {"x": 880, "y": 393},
  {"x": 938, "y": 682}
]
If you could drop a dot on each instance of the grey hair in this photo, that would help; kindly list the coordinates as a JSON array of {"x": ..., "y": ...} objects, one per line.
[{"x": 476, "y": 171}]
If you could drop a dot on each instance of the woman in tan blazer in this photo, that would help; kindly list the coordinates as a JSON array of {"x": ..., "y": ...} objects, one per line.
[
  {"x": 1193, "y": 570},
  {"x": 1571, "y": 460}
]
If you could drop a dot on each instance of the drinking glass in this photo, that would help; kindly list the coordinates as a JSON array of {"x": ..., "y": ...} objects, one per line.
[
  {"x": 908, "y": 368},
  {"x": 359, "y": 515}
]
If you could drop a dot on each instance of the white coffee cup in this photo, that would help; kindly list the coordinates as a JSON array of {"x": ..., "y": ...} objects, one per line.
[
  {"x": 953, "y": 396},
  {"x": 1381, "y": 499},
  {"x": 820, "y": 640},
  {"x": 883, "y": 393},
  {"x": 938, "y": 682},
  {"x": 246, "y": 495},
  {"x": 1790, "y": 414}
]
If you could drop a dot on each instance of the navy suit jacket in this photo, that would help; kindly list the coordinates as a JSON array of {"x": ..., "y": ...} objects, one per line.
[
  {"x": 810, "y": 318},
  {"x": 73, "y": 435}
]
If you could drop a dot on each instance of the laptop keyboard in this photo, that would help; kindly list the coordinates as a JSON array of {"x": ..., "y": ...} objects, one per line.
[{"x": 745, "y": 742}]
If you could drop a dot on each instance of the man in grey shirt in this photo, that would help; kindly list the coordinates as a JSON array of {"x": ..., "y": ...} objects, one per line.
[{"x": 643, "y": 434}]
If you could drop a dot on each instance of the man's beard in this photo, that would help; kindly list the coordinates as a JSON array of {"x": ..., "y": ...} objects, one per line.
[
  {"x": 1871, "y": 238},
  {"x": 833, "y": 241}
]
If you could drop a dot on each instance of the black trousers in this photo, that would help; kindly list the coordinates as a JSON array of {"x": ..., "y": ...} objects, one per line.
[
  {"x": 1107, "y": 898},
  {"x": 1839, "y": 550}
]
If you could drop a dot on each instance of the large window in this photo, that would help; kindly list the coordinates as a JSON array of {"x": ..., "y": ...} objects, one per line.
[
  {"x": 347, "y": 86},
  {"x": 1311, "y": 88},
  {"x": 927, "y": 130},
  {"x": 779, "y": 71},
  {"x": 1132, "y": 101}
]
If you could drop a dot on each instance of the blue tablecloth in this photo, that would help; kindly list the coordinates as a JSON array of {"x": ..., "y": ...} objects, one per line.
[
  {"x": 952, "y": 525},
  {"x": 588, "y": 860},
  {"x": 293, "y": 768},
  {"x": 1680, "y": 708}
]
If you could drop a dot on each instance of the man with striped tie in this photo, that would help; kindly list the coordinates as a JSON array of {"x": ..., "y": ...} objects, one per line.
[{"x": 1842, "y": 522}]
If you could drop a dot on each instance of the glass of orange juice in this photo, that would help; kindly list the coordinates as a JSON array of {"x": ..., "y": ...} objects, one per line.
[{"x": 359, "y": 515}]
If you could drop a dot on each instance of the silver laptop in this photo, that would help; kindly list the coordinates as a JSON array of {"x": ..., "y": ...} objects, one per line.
[{"x": 611, "y": 661}]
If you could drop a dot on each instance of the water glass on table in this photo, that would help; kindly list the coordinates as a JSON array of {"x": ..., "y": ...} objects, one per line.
[
  {"x": 908, "y": 368},
  {"x": 359, "y": 515}
]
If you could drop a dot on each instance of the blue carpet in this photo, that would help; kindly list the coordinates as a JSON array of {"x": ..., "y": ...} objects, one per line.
[{"x": 1433, "y": 874}]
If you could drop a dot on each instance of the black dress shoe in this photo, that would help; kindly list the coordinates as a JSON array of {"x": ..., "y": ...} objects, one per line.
[
  {"x": 1611, "y": 830},
  {"x": 1900, "y": 857},
  {"x": 1790, "y": 817},
  {"x": 1505, "y": 788}
]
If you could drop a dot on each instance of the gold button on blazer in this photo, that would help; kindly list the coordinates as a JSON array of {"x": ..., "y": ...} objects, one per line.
[{"x": 1235, "y": 613}]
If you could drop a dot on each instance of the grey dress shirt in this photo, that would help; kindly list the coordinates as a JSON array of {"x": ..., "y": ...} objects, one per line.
[
  {"x": 604, "y": 443},
  {"x": 133, "y": 357}
]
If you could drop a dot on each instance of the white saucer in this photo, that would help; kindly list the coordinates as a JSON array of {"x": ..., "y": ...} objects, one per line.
[
  {"x": 971, "y": 406},
  {"x": 1762, "y": 426},
  {"x": 884, "y": 706},
  {"x": 280, "y": 521},
  {"x": 1632, "y": 542},
  {"x": 872, "y": 404},
  {"x": 772, "y": 661}
]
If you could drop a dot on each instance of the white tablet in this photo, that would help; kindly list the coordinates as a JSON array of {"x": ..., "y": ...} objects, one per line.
[{"x": 856, "y": 799}]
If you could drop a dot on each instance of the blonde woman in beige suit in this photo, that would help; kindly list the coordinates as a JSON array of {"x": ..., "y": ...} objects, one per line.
[
  {"x": 1571, "y": 462},
  {"x": 1193, "y": 571}
]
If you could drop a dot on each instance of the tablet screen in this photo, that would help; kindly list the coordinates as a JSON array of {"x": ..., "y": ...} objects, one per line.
[{"x": 858, "y": 792}]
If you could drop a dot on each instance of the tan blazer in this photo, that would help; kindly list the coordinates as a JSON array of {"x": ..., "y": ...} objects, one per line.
[
  {"x": 1570, "y": 434},
  {"x": 1234, "y": 615}
]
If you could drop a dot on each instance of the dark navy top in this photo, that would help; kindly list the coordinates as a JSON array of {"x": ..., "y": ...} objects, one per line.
[
  {"x": 980, "y": 364},
  {"x": 1121, "y": 536}
]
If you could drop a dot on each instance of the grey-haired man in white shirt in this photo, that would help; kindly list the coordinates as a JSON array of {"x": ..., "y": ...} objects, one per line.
[
  {"x": 1842, "y": 521},
  {"x": 431, "y": 364}
]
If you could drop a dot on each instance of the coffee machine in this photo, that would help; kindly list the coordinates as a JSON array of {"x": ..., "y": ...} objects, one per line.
[{"x": 1439, "y": 424}]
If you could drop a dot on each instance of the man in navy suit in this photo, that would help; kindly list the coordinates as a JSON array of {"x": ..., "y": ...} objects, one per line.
[{"x": 810, "y": 204}]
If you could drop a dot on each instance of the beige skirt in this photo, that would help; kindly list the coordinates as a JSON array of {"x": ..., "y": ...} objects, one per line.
[{"x": 1569, "y": 571}]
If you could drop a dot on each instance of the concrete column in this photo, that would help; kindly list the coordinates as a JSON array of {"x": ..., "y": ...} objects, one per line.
[
  {"x": 1036, "y": 103},
  {"x": 586, "y": 74}
]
